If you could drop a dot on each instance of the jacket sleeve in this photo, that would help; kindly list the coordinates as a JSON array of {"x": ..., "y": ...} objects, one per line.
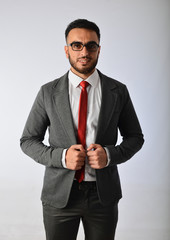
[
  {"x": 32, "y": 138},
  {"x": 130, "y": 130}
]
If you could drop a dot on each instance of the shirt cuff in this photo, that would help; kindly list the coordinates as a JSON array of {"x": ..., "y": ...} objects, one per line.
[
  {"x": 63, "y": 159},
  {"x": 108, "y": 156}
]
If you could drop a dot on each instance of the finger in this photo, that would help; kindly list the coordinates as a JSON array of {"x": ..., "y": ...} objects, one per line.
[
  {"x": 78, "y": 167},
  {"x": 96, "y": 165},
  {"x": 78, "y": 147},
  {"x": 90, "y": 153},
  {"x": 81, "y": 155},
  {"x": 93, "y": 146},
  {"x": 92, "y": 160},
  {"x": 93, "y": 165}
]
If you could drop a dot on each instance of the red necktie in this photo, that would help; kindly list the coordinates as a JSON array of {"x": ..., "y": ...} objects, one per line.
[{"x": 82, "y": 118}]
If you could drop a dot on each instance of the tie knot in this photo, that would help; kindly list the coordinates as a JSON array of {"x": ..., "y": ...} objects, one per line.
[{"x": 84, "y": 84}]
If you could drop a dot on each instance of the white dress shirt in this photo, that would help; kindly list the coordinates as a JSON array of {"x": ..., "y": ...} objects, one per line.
[{"x": 93, "y": 110}]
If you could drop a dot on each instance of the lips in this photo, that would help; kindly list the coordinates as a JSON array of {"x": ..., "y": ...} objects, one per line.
[{"x": 84, "y": 60}]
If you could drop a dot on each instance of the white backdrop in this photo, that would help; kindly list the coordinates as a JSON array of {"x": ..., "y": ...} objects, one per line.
[{"x": 136, "y": 51}]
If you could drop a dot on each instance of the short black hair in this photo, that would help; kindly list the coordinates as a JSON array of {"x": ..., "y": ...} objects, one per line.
[{"x": 82, "y": 23}]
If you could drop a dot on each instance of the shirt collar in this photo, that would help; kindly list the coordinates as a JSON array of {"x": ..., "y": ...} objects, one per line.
[{"x": 75, "y": 80}]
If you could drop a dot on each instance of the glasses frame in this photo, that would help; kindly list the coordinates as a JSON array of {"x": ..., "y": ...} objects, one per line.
[{"x": 84, "y": 45}]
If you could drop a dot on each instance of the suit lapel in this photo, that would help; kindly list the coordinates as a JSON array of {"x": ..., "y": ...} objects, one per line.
[
  {"x": 109, "y": 100},
  {"x": 62, "y": 104}
]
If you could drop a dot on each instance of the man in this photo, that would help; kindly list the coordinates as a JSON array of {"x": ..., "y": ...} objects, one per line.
[{"x": 83, "y": 111}]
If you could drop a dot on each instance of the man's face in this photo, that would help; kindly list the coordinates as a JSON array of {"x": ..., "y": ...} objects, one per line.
[{"x": 82, "y": 62}]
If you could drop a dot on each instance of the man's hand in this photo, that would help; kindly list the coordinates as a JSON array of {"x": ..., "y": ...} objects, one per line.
[
  {"x": 97, "y": 156},
  {"x": 75, "y": 157}
]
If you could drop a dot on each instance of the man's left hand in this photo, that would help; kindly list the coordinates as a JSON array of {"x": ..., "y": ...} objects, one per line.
[{"x": 97, "y": 156}]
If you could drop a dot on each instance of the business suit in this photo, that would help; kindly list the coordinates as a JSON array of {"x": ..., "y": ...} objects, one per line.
[{"x": 51, "y": 110}]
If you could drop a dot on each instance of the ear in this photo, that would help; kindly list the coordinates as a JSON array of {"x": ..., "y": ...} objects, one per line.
[
  {"x": 99, "y": 51},
  {"x": 66, "y": 51}
]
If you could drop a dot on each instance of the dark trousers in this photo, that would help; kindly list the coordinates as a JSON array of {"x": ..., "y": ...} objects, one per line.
[{"x": 99, "y": 221}]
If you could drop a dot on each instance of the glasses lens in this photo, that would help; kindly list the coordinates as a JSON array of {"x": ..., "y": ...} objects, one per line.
[
  {"x": 92, "y": 47},
  {"x": 77, "y": 46}
]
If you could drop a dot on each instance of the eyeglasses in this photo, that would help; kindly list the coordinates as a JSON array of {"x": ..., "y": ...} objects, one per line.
[{"x": 78, "y": 46}]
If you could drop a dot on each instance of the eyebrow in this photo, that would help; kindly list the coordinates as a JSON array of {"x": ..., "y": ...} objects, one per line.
[{"x": 85, "y": 43}]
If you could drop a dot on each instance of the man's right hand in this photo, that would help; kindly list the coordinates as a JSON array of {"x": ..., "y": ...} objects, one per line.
[{"x": 75, "y": 157}]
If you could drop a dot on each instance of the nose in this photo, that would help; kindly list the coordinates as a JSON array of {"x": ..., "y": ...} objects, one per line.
[{"x": 84, "y": 51}]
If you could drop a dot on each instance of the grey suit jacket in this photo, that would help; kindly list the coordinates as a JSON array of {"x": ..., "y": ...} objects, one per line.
[{"x": 51, "y": 110}]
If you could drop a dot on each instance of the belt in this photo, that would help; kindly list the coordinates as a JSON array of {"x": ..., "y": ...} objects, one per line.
[{"x": 84, "y": 185}]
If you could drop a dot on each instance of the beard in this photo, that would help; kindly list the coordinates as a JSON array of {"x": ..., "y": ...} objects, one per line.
[{"x": 85, "y": 70}]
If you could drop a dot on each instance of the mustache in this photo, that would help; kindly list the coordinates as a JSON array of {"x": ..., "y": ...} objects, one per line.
[{"x": 85, "y": 57}]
